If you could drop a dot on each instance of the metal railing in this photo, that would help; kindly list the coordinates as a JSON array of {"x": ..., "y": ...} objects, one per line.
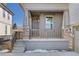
[
  {"x": 10, "y": 38},
  {"x": 6, "y": 37},
  {"x": 34, "y": 32}
]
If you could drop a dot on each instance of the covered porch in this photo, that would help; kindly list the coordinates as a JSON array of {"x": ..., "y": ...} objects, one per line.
[{"x": 47, "y": 21}]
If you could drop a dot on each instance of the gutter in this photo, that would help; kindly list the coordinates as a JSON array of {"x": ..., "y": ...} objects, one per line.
[{"x": 6, "y": 8}]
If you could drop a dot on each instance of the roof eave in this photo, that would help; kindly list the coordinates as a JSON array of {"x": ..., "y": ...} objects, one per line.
[{"x": 6, "y": 8}]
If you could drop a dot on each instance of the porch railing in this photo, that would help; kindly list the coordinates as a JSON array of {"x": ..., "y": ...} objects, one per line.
[
  {"x": 8, "y": 38},
  {"x": 34, "y": 33}
]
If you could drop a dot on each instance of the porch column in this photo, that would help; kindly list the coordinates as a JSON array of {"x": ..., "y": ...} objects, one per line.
[
  {"x": 26, "y": 25},
  {"x": 65, "y": 19},
  {"x": 66, "y": 28},
  {"x": 30, "y": 19}
]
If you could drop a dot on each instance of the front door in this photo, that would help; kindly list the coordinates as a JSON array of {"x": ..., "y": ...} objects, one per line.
[{"x": 49, "y": 26}]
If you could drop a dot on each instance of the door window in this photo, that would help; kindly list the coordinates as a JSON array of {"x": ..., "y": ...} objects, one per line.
[{"x": 49, "y": 22}]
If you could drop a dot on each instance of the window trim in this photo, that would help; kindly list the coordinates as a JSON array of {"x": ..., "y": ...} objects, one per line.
[
  {"x": 5, "y": 29},
  {"x": 8, "y": 15},
  {"x": 4, "y": 13}
]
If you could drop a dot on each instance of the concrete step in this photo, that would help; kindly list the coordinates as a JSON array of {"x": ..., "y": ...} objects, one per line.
[
  {"x": 17, "y": 51},
  {"x": 20, "y": 44},
  {"x": 18, "y": 47}
]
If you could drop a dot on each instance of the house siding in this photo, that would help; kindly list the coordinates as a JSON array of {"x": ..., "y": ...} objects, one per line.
[
  {"x": 4, "y": 21},
  {"x": 74, "y": 13},
  {"x": 74, "y": 22}
]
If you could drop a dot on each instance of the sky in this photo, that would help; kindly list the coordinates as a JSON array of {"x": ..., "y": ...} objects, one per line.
[{"x": 18, "y": 13}]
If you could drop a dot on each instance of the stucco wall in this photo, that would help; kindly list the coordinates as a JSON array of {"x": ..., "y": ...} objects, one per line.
[
  {"x": 74, "y": 13},
  {"x": 74, "y": 20},
  {"x": 4, "y": 21},
  {"x": 76, "y": 42}
]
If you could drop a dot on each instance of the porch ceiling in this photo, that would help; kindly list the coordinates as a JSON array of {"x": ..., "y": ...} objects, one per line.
[{"x": 45, "y": 6}]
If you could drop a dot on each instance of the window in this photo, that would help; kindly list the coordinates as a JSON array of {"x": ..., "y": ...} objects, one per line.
[
  {"x": 5, "y": 29},
  {"x": 3, "y": 13},
  {"x": 49, "y": 22},
  {"x": 8, "y": 16}
]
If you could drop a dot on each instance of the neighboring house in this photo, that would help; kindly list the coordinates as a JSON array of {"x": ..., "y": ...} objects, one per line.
[
  {"x": 5, "y": 20},
  {"x": 52, "y": 20},
  {"x": 6, "y": 30}
]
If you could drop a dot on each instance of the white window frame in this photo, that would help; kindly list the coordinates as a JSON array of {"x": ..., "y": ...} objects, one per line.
[
  {"x": 51, "y": 25},
  {"x": 4, "y": 13}
]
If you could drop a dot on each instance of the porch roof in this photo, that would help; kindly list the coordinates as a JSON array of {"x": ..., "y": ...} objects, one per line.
[{"x": 45, "y": 6}]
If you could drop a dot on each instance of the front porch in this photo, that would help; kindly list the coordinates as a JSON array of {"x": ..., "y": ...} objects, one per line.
[
  {"x": 46, "y": 24},
  {"x": 47, "y": 21}
]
